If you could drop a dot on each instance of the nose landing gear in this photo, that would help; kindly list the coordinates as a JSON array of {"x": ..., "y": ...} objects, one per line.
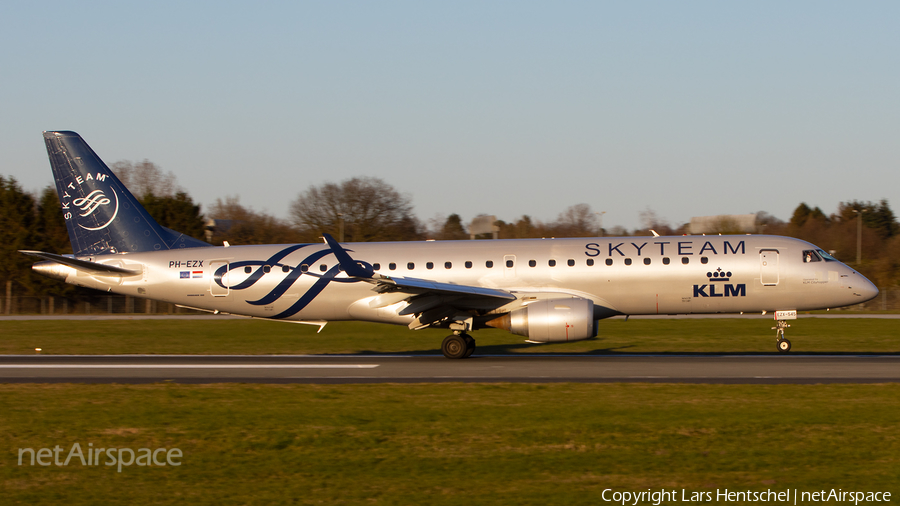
[{"x": 781, "y": 343}]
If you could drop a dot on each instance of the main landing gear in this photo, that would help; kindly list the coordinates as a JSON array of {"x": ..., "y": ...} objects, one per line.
[
  {"x": 458, "y": 345},
  {"x": 783, "y": 344}
]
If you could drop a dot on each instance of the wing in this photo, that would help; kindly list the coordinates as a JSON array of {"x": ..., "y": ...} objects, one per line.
[{"x": 432, "y": 302}]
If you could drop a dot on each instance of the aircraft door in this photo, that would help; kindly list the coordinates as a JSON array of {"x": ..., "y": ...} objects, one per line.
[
  {"x": 768, "y": 267},
  {"x": 214, "y": 288}
]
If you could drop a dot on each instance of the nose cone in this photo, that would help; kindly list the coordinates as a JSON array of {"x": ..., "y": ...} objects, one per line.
[{"x": 866, "y": 290}]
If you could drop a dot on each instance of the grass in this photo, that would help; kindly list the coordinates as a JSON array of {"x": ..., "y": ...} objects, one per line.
[
  {"x": 173, "y": 336},
  {"x": 449, "y": 444}
]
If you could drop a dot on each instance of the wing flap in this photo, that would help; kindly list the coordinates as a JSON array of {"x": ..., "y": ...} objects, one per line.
[{"x": 421, "y": 286}]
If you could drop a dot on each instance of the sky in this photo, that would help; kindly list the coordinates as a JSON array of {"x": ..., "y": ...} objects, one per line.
[{"x": 505, "y": 108}]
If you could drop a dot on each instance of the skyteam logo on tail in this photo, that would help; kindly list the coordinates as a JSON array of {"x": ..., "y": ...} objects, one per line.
[
  {"x": 717, "y": 287},
  {"x": 96, "y": 201},
  {"x": 90, "y": 203}
]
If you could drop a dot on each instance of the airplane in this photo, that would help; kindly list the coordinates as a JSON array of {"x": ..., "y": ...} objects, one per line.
[{"x": 546, "y": 290}]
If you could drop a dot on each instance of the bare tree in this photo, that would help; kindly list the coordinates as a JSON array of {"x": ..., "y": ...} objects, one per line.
[
  {"x": 145, "y": 178},
  {"x": 237, "y": 224},
  {"x": 652, "y": 222},
  {"x": 576, "y": 221},
  {"x": 370, "y": 209}
]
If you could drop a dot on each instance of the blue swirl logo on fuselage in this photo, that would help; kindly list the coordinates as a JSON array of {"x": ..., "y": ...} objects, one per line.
[{"x": 294, "y": 274}]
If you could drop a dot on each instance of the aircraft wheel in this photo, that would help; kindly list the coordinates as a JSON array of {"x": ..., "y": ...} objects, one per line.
[
  {"x": 470, "y": 345},
  {"x": 454, "y": 346},
  {"x": 784, "y": 345}
]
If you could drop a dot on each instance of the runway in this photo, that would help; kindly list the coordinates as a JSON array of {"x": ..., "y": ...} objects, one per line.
[
  {"x": 695, "y": 368},
  {"x": 717, "y": 316}
]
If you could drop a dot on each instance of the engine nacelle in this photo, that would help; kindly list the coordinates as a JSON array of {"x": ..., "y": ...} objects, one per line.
[{"x": 550, "y": 320}]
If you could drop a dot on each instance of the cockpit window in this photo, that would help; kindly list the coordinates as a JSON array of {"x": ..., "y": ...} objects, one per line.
[
  {"x": 826, "y": 256},
  {"x": 811, "y": 256}
]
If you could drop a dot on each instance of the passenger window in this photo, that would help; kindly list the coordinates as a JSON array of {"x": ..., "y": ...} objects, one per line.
[
  {"x": 429, "y": 265},
  {"x": 285, "y": 268},
  {"x": 590, "y": 262},
  {"x": 704, "y": 260},
  {"x": 647, "y": 261},
  {"x": 532, "y": 263},
  {"x": 627, "y": 261},
  {"x": 411, "y": 266},
  {"x": 552, "y": 263},
  {"x": 609, "y": 261},
  {"x": 489, "y": 264},
  {"x": 510, "y": 263},
  {"x": 665, "y": 260},
  {"x": 248, "y": 269},
  {"x": 468, "y": 265},
  {"x": 685, "y": 260},
  {"x": 571, "y": 263},
  {"x": 323, "y": 267},
  {"x": 304, "y": 267},
  {"x": 448, "y": 265},
  {"x": 376, "y": 266},
  {"x": 267, "y": 268},
  {"x": 392, "y": 266}
]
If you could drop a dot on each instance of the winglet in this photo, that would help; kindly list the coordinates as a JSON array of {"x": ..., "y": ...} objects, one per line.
[{"x": 348, "y": 265}]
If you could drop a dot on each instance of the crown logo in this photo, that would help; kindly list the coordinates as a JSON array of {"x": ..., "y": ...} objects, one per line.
[{"x": 719, "y": 275}]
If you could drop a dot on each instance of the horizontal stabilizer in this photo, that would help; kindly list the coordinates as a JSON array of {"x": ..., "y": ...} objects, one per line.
[{"x": 81, "y": 265}]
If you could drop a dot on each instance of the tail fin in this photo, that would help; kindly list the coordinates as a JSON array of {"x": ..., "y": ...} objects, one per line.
[{"x": 102, "y": 216}]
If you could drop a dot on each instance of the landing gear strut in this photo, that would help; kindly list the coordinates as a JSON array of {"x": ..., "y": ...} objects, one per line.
[
  {"x": 781, "y": 343},
  {"x": 458, "y": 345}
]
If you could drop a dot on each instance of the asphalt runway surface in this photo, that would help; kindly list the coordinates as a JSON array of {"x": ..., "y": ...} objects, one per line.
[
  {"x": 139, "y": 316},
  {"x": 324, "y": 369}
]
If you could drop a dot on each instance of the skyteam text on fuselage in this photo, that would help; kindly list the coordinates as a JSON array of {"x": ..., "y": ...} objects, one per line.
[{"x": 547, "y": 290}]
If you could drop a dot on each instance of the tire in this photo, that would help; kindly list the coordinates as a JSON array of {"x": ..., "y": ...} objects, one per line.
[
  {"x": 470, "y": 346},
  {"x": 784, "y": 345},
  {"x": 454, "y": 347}
]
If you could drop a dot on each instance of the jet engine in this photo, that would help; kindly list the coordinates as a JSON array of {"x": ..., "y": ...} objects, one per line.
[{"x": 550, "y": 320}]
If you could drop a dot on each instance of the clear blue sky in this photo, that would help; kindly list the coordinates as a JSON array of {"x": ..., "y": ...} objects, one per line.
[{"x": 505, "y": 108}]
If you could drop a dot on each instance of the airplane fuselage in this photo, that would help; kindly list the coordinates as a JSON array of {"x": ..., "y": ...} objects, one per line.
[{"x": 624, "y": 275}]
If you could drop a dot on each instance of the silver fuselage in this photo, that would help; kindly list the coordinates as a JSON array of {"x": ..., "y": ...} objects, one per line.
[{"x": 624, "y": 275}]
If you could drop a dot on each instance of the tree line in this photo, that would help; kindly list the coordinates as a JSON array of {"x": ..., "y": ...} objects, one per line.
[{"x": 365, "y": 209}]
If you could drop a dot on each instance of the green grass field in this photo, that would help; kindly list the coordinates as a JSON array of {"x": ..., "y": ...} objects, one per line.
[
  {"x": 845, "y": 335},
  {"x": 448, "y": 444}
]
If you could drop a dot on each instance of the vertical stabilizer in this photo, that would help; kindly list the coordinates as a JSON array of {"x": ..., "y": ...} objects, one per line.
[{"x": 102, "y": 216}]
